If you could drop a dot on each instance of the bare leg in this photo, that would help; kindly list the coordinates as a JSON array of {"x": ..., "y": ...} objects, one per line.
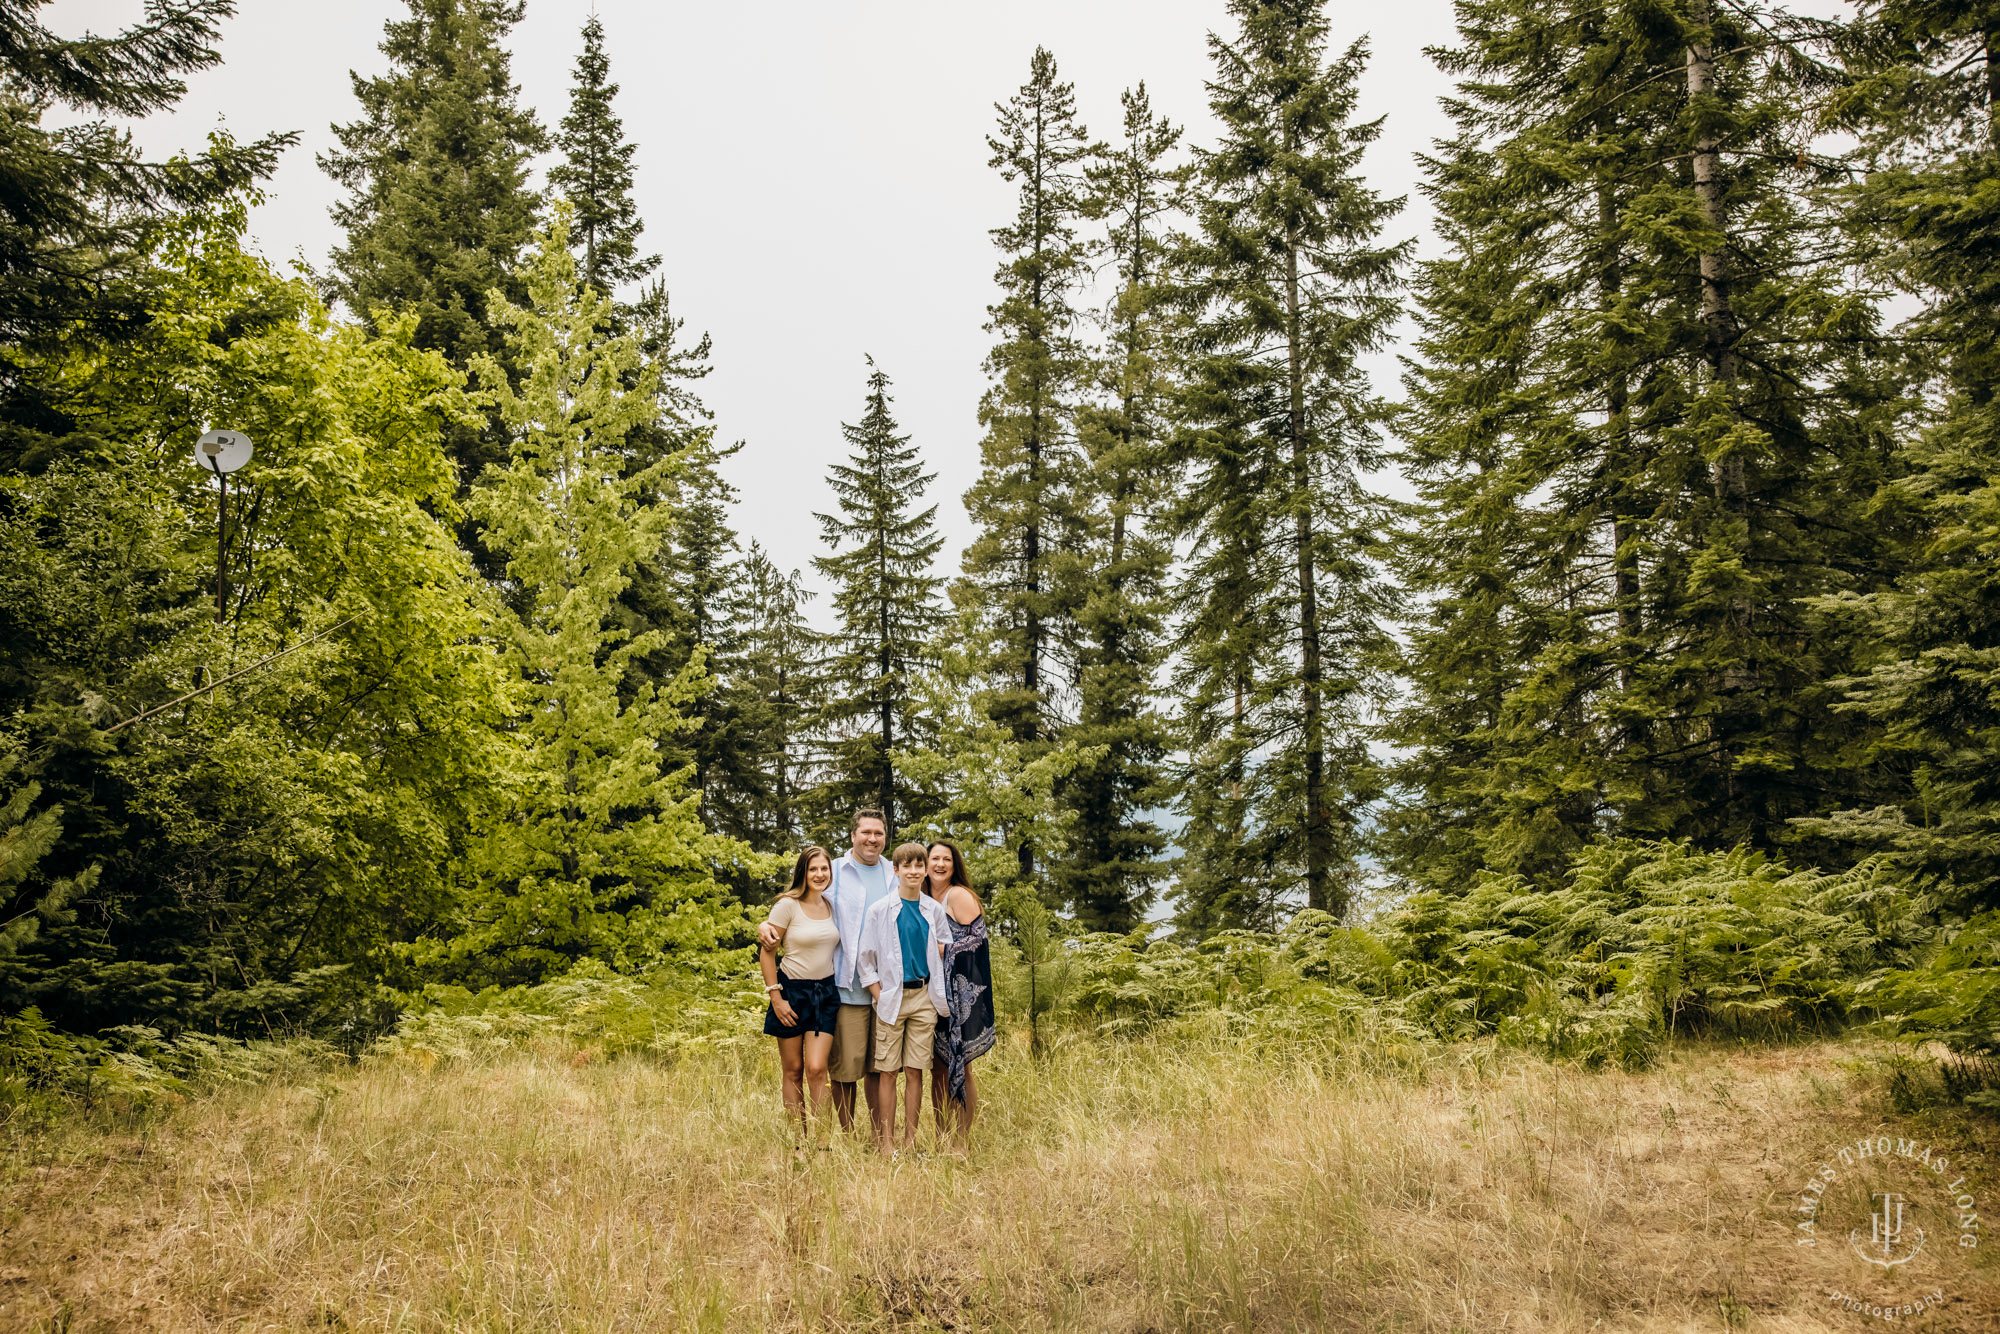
[
  {"x": 817, "y": 1048},
  {"x": 941, "y": 1098},
  {"x": 791, "y": 1060},
  {"x": 913, "y": 1103},
  {"x": 883, "y": 1109},
  {"x": 871, "y": 1088},
  {"x": 965, "y": 1110},
  {"x": 843, "y": 1102}
]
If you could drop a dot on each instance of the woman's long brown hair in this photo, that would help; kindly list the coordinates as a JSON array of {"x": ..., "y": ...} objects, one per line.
[
  {"x": 797, "y": 889},
  {"x": 957, "y": 872}
]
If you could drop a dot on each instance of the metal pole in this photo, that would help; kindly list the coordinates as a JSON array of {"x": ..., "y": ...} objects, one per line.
[{"x": 221, "y": 541}]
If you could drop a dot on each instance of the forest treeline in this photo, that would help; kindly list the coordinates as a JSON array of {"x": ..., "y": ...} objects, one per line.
[{"x": 482, "y": 683}]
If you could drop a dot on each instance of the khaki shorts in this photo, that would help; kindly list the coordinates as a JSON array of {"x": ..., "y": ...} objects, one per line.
[
  {"x": 853, "y": 1044},
  {"x": 906, "y": 1044}
]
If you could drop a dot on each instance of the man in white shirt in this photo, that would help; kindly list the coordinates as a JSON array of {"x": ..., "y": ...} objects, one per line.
[{"x": 861, "y": 878}]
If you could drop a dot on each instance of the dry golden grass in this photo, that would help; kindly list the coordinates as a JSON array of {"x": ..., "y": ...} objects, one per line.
[{"x": 1127, "y": 1186}]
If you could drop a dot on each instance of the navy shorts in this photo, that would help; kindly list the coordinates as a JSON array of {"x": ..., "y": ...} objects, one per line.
[{"x": 816, "y": 1001}]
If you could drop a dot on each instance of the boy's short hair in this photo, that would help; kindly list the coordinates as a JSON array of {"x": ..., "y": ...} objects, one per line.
[{"x": 910, "y": 852}]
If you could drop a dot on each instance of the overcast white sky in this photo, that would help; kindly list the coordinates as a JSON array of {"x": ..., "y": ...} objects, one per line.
[{"x": 813, "y": 173}]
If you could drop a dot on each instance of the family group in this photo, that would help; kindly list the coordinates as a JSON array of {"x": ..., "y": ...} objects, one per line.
[{"x": 878, "y": 966}]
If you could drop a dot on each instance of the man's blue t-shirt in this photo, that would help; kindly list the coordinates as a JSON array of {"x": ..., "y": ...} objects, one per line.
[
  {"x": 879, "y": 884},
  {"x": 916, "y": 936}
]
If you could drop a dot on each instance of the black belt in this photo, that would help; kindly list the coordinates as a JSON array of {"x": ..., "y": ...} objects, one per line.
[{"x": 920, "y": 982}]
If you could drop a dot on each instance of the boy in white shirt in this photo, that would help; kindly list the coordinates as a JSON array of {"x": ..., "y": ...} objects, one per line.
[{"x": 901, "y": 964}]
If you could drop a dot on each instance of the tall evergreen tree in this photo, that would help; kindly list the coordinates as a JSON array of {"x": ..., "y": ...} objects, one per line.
[
  {"x": 81, "y": 207},
  {"x": 1645, "y": 395},
  {"x": 1925, "y": 101},
  {"x": 1109, "y": 877},
  {"x": 778, "y": 676},
  {"x": 602, "y": 853},
  {"x": 595, "y": 174},
  {"x": 436, "y": 170},
  {"x": 887, "y": 602},
  {"x": 1290, "y": 288},
  {"x": 1021, "y": 570}
]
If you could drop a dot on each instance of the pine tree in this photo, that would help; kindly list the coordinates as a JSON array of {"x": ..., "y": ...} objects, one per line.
[
  {"x": 778, "y": 674},
  {"x": 1109, "y": 879},
  {"x": 602, "y": 853},
  {"x": 1925, "y": 102},
  {"x": 1019, "y": 570},
  {"x": 82, "y": 207},
  {"x": 887, "y": 603},
  {"x": 1645, "y": 395},
  {"x": 436, "y": 170},
  {"x": 1289, "y": 290},
  {"x": 595, "y": 174}
]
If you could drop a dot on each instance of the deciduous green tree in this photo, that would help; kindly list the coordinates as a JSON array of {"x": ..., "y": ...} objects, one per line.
[{"x": 300, "y": 816}]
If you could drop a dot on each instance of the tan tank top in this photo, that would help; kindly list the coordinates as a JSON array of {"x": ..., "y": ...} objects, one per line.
[{"x": 809, "y": 941}]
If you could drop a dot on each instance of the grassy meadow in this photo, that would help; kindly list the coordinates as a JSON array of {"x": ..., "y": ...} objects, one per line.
[{"x": 1130, "y": 1185}]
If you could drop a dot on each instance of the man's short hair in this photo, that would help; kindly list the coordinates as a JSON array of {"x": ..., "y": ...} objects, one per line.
[
  {"x": 867, "y": 813},
  {"x": 910, "y": 852}
]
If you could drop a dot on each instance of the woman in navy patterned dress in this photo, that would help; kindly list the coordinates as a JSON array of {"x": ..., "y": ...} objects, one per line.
[{"x": 966, "y": 1033}]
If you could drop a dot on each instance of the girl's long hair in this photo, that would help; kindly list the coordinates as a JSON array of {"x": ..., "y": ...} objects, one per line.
[
  {"x": 797, "y": 889},
  {"x": 957, "y": 872}
]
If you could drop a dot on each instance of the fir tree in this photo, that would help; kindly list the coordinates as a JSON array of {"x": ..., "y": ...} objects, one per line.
[
  {"x": 595, "y": 174},
  {"x": 436, "y": 170},
  {"x": 81, "y": 207},
  {"x": 1645, "y": 393},
  {"x": 1116, "y": 858},
  {"x": 778, "y": 675},
  {"x": 1925, "y": 100},
  {"x": 887, "y": 603},
  {"x": 602, "y": 853},
  {"x": 1289, "y": 290}
]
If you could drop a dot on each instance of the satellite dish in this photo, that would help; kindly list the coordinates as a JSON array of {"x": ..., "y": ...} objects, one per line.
[{"x": 222, "y": 451}]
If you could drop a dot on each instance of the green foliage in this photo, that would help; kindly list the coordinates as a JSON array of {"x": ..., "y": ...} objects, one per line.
[
  {"x": 887, "y": 600},
  {"x": 595, "y": 175},
  {"x": 303, "y": 815},
  {"x": 1642, "y": 412},
  {"x": 1122, "y": 646},
  {"x": 994, "y": 793},
  {"x": 590, "y": 1009},
  {"x": 82, "y": 207},
  {"x": 598, "y": 850},
  {"x": 436, "y": 170},
  {"x": 1020, "y": 572},
  {"x": 46, "y": 1072},
  {"x": 1282, "y": 607},
  {"x": 1952, "y": 995},
  {"x": 1644, "y": 943},
  {"x": 24, "y": 840}
]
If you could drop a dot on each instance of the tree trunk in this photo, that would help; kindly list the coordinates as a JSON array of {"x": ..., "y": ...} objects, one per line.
[
  {"x": 1618, "y": 442},
  {"x": 1717, "y": 314},
  {"x": 1319, "y": 844},
  {"x": 888, "y": 792},
  {"x": 1991, "y": 42}
]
